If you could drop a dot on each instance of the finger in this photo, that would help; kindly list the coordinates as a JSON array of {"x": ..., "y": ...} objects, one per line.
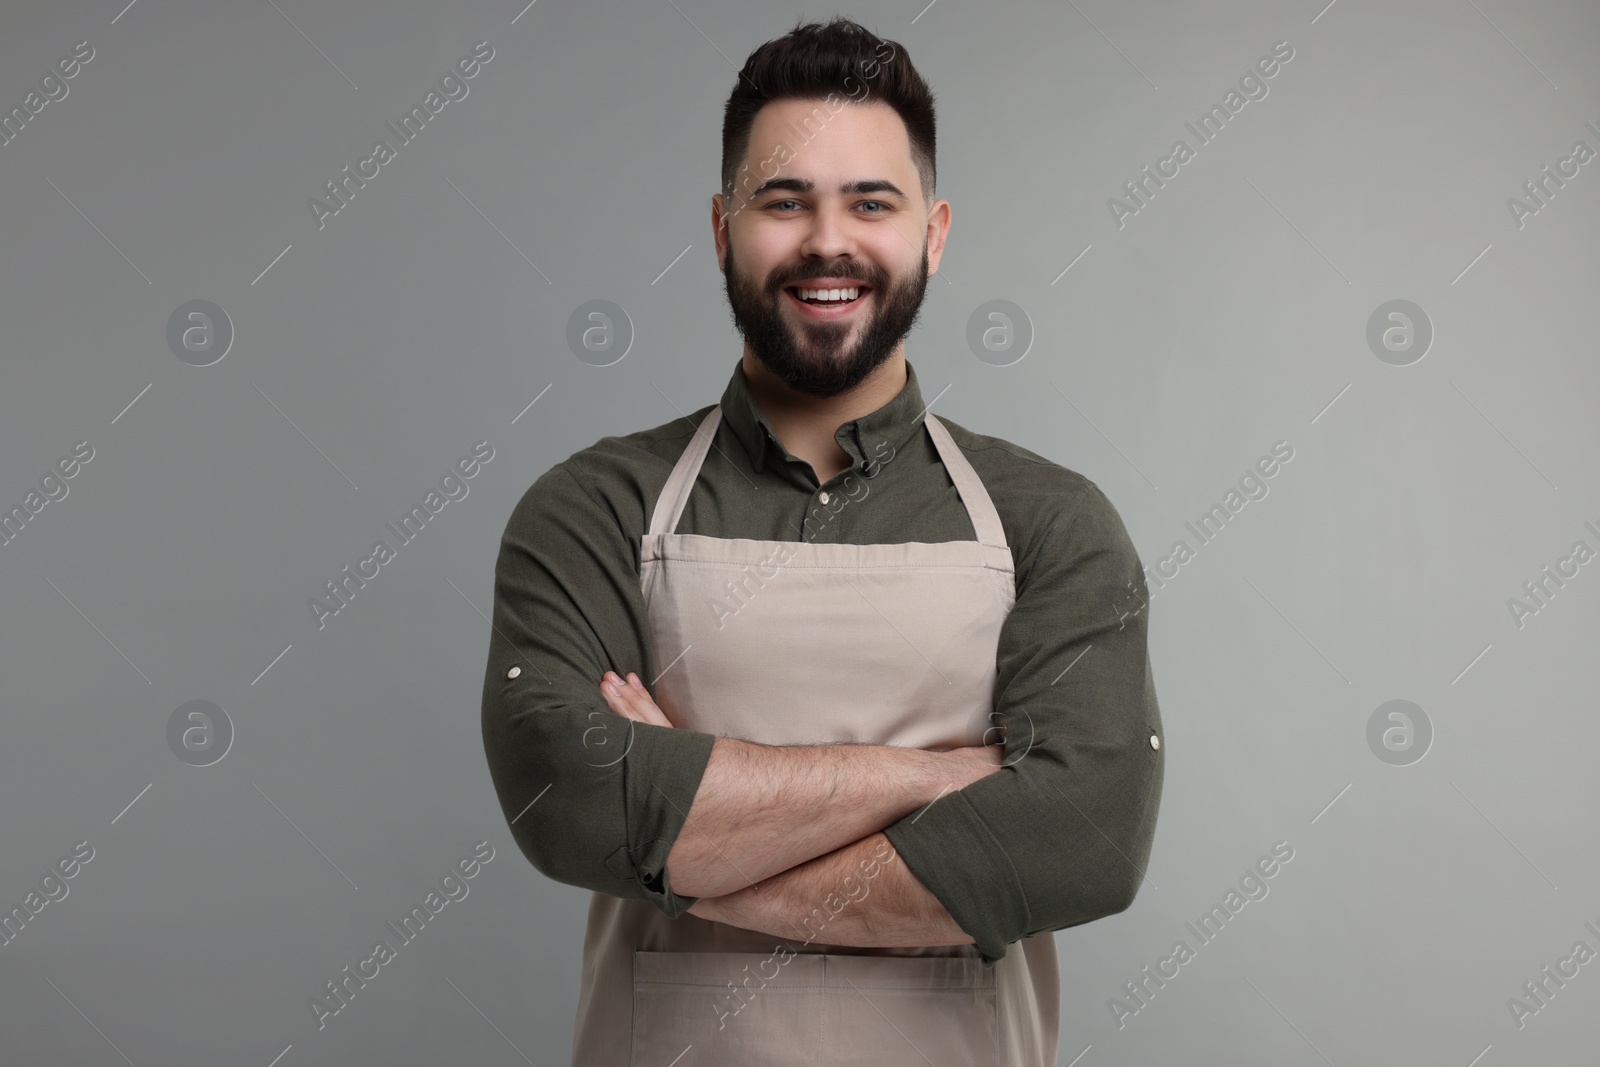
[
  {"x": 638, "y": 698},
  {"x": 633, "y": 703},
  {"x": 622, "y": 689},
  {"x": 646, "y": 702},
  {"x": 619, "y": 704}
]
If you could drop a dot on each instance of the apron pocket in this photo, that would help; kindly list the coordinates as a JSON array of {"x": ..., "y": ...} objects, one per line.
[
  {"x": 785, "y": 1009},
  {"x": 742, "y": 1009},
  {"x": 927, "y": 1011}
]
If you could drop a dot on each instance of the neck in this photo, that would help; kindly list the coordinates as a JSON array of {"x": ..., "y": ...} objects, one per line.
[{"x": 806, "y": 424}]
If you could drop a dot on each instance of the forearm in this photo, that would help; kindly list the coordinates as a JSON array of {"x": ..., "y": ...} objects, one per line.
[
  {"x": 859, "y": 895},
  {"x": 763, "y": 809}
]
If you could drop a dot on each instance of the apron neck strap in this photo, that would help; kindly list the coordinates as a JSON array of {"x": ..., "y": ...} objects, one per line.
[
  {"x": 980, "y": 508},
  {"x": 675, "y": 494}
]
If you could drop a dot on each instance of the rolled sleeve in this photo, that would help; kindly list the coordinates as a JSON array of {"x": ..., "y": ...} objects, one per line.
[
  {"x": 592, "y": 798},
  {"x": 1061, "y": 834}
]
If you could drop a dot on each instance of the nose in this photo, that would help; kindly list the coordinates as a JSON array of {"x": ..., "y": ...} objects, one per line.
[{"x": 828, "y": 236}]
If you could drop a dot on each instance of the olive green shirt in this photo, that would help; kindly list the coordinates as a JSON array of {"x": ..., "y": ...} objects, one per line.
[{"x": 1059, "y": 836}]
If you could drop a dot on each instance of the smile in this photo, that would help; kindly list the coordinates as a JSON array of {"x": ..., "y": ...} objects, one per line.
[{"x": 834, "y": 310}]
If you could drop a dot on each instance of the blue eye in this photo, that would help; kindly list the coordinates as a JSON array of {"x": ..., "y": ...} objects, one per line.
[{"x": 879, "y": 203}]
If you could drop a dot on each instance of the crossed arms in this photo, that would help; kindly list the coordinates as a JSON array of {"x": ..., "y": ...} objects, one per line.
[
  {"x": 762, "y": 835},
  {"x": 778, "y": 833}
]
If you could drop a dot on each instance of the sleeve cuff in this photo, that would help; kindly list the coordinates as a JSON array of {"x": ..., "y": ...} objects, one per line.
[
  {"x": 662, "y": 772},
  {"x": 981, "y": 891}
]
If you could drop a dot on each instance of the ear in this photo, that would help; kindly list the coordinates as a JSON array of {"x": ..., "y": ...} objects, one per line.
[
  {"x": 719, "y": 229},
  {"x": 938, "y": 230}
]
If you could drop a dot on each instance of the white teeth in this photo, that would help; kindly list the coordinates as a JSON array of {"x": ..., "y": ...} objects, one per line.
[{"x": 828, "y": 294}]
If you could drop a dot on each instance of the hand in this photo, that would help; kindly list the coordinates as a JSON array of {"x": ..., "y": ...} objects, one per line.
[{"x": 631, "y": 700}]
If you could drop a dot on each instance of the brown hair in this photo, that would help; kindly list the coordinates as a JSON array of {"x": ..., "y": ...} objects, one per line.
[{"x": 814, "y": 61}]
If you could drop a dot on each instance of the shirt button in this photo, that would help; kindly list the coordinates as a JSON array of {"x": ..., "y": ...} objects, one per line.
[
  {"x": 1155, "y": 742},
  {"x": 823, "y": 496},
  {"x": 514, "y": 671}
]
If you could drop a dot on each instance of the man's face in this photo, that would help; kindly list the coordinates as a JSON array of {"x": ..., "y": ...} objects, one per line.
[{"x": 800, "y": 230}]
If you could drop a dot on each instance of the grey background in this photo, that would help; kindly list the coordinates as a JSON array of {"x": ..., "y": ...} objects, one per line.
[{"x": 1228, "y": 314}]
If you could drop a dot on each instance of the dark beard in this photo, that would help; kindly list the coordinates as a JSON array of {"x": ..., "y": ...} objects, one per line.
[{"x": 813, "y": 363}]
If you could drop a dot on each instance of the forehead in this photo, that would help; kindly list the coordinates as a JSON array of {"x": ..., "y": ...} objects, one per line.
[{"x": 826, "y": 140}]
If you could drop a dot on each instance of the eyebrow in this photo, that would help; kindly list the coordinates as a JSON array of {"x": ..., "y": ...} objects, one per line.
[{"x": 805, "y": 185}]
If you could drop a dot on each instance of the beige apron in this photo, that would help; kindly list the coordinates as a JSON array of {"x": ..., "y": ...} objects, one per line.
[{"x": 790, "y": 643}]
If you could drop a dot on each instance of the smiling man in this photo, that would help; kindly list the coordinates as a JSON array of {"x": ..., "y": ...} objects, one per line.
[{"x": 897, "y": 732}]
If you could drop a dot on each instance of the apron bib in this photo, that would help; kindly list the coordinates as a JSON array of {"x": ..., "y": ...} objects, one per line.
[{"x": 790, "y": 642}]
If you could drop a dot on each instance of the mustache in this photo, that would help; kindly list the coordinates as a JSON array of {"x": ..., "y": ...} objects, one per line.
[{"x": 783, "y": 283}]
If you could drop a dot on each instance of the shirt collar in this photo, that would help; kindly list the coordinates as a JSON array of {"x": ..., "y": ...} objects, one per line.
[{"x": 874, "y": 436}]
